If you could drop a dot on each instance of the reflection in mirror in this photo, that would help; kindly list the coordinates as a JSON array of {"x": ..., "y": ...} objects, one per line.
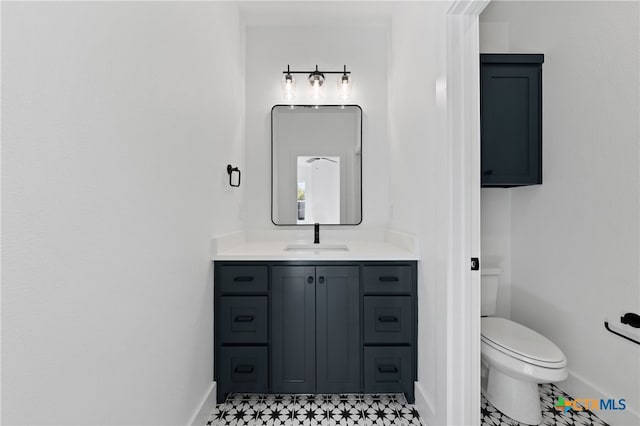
[
  {"x": 316, "y": 164},
  {"x": 318, "y": 190}
]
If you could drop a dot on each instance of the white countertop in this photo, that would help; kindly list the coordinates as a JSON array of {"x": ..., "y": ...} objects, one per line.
[{"x": 386, "y": 245}]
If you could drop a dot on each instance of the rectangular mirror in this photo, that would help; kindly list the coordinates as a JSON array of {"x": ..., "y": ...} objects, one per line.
[{"x": 316, "y": 164}]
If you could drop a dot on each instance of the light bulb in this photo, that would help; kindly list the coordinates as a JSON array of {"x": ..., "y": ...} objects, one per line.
[
  {"x": 316, "y": 80},
  {"x": 288, "y": 87},
  {"x": 345, "y": 83}
]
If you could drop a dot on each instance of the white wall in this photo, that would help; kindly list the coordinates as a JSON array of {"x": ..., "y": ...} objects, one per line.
[
  {"x": 575, "y": 238},
  {"x": 417, "y": 143},
  {"x": 364, "y": 50},
  {"x": 496, "y": 241},
  {"x": 118, "y": 121}
]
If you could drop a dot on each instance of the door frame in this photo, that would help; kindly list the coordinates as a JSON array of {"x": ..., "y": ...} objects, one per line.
[{"x": 463, "y": 285}]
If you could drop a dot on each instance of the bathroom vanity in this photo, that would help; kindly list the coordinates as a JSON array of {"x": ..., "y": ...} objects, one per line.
[
  {"x": 298, "y": 317},
  {"x": 315, "y": 321}
]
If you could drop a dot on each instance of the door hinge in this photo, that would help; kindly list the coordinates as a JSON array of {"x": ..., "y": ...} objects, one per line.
[{"x": 475, "y": 264}]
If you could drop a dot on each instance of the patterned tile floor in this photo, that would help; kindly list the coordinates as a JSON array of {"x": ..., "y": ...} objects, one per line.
[
  {"x": 369, "y": 410},
  {"x": 315, "y": 410},
  {"x": 549, "y": 394}
]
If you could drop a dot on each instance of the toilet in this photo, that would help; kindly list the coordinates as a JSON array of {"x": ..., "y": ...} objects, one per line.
[{"x": 515, "y": 359}]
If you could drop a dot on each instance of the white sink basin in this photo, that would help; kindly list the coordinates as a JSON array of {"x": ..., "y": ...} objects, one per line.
[{"x": 316, "y": 247}]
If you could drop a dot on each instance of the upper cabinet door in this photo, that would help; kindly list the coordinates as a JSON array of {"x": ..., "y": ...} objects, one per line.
[
  {"x": 511, "y": 119},
  {"x": 293, "y": 329},
  {"x": 338, "y": 329}
]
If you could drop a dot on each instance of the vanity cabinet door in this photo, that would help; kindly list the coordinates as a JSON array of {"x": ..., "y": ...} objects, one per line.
[
  {"x": 293, "y": 329},
  {"x": 338, "y": 329}
]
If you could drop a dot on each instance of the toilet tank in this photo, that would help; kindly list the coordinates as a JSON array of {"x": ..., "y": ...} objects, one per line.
[{"x": 489, "y": 278}]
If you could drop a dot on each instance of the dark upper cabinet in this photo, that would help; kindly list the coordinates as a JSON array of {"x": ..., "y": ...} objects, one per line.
[{"x": 511, "y": 119}]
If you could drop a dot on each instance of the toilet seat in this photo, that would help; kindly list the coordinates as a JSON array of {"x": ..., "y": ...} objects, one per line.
[{"x": 521, "y": 343}]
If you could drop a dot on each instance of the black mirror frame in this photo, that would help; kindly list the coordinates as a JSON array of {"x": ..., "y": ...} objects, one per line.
[{"x": 361, "y": 163}]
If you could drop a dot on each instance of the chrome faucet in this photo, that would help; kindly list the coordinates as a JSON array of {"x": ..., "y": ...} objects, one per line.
[{"x": 316, "y": 233}]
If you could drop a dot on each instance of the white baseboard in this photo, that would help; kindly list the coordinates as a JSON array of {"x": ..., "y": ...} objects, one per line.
[
  {"x": 424, "y": 405},
  {"x": 205, "y": 408},
  {"x": 579, "y": 387}
]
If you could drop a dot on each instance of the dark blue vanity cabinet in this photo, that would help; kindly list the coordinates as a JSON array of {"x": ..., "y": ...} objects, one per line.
[
  {"x": 241, "y": 327},
  {"x": 315, "y": 327},
  {"x": 511, "y": 119},
  {"x": 390, "y": 327},
  {"x": 293, "y": 338}
]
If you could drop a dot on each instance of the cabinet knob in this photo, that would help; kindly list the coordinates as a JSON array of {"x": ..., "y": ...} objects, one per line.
[
  {"x": 310, "y": 280},
  {"x": 321, "y": 280},
  {"x": 487, "y": 172}
]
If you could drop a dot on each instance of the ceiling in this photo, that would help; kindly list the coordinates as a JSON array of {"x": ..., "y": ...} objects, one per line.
[{"x": 317, "y": 13}]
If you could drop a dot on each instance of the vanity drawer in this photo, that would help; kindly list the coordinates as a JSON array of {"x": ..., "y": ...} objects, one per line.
[
  {"x": 244, "y": 369},
  {"x": 389, "y": 279},
  {"x": 388, "y": 369},
  {"x": 243, "y": 319},
  {"x": 244, "y": 279},
  {"x": 388, "y": 319}
]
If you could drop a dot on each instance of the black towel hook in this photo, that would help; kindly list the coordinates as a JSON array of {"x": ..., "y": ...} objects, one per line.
[{"x": 230, "y": 171}]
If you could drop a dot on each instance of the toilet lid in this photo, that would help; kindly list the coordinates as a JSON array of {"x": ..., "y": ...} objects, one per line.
[{"x": 520, "y": 340}]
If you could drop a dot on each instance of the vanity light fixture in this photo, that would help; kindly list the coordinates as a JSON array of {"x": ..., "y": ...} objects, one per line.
[
  {"x": 316, "y": 82},
  {"x": 345, "y": 83},
  {"x": 288, "y": 86}
]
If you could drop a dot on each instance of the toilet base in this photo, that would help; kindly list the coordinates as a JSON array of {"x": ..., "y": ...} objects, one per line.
[{"x": 518, "y": 399}]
